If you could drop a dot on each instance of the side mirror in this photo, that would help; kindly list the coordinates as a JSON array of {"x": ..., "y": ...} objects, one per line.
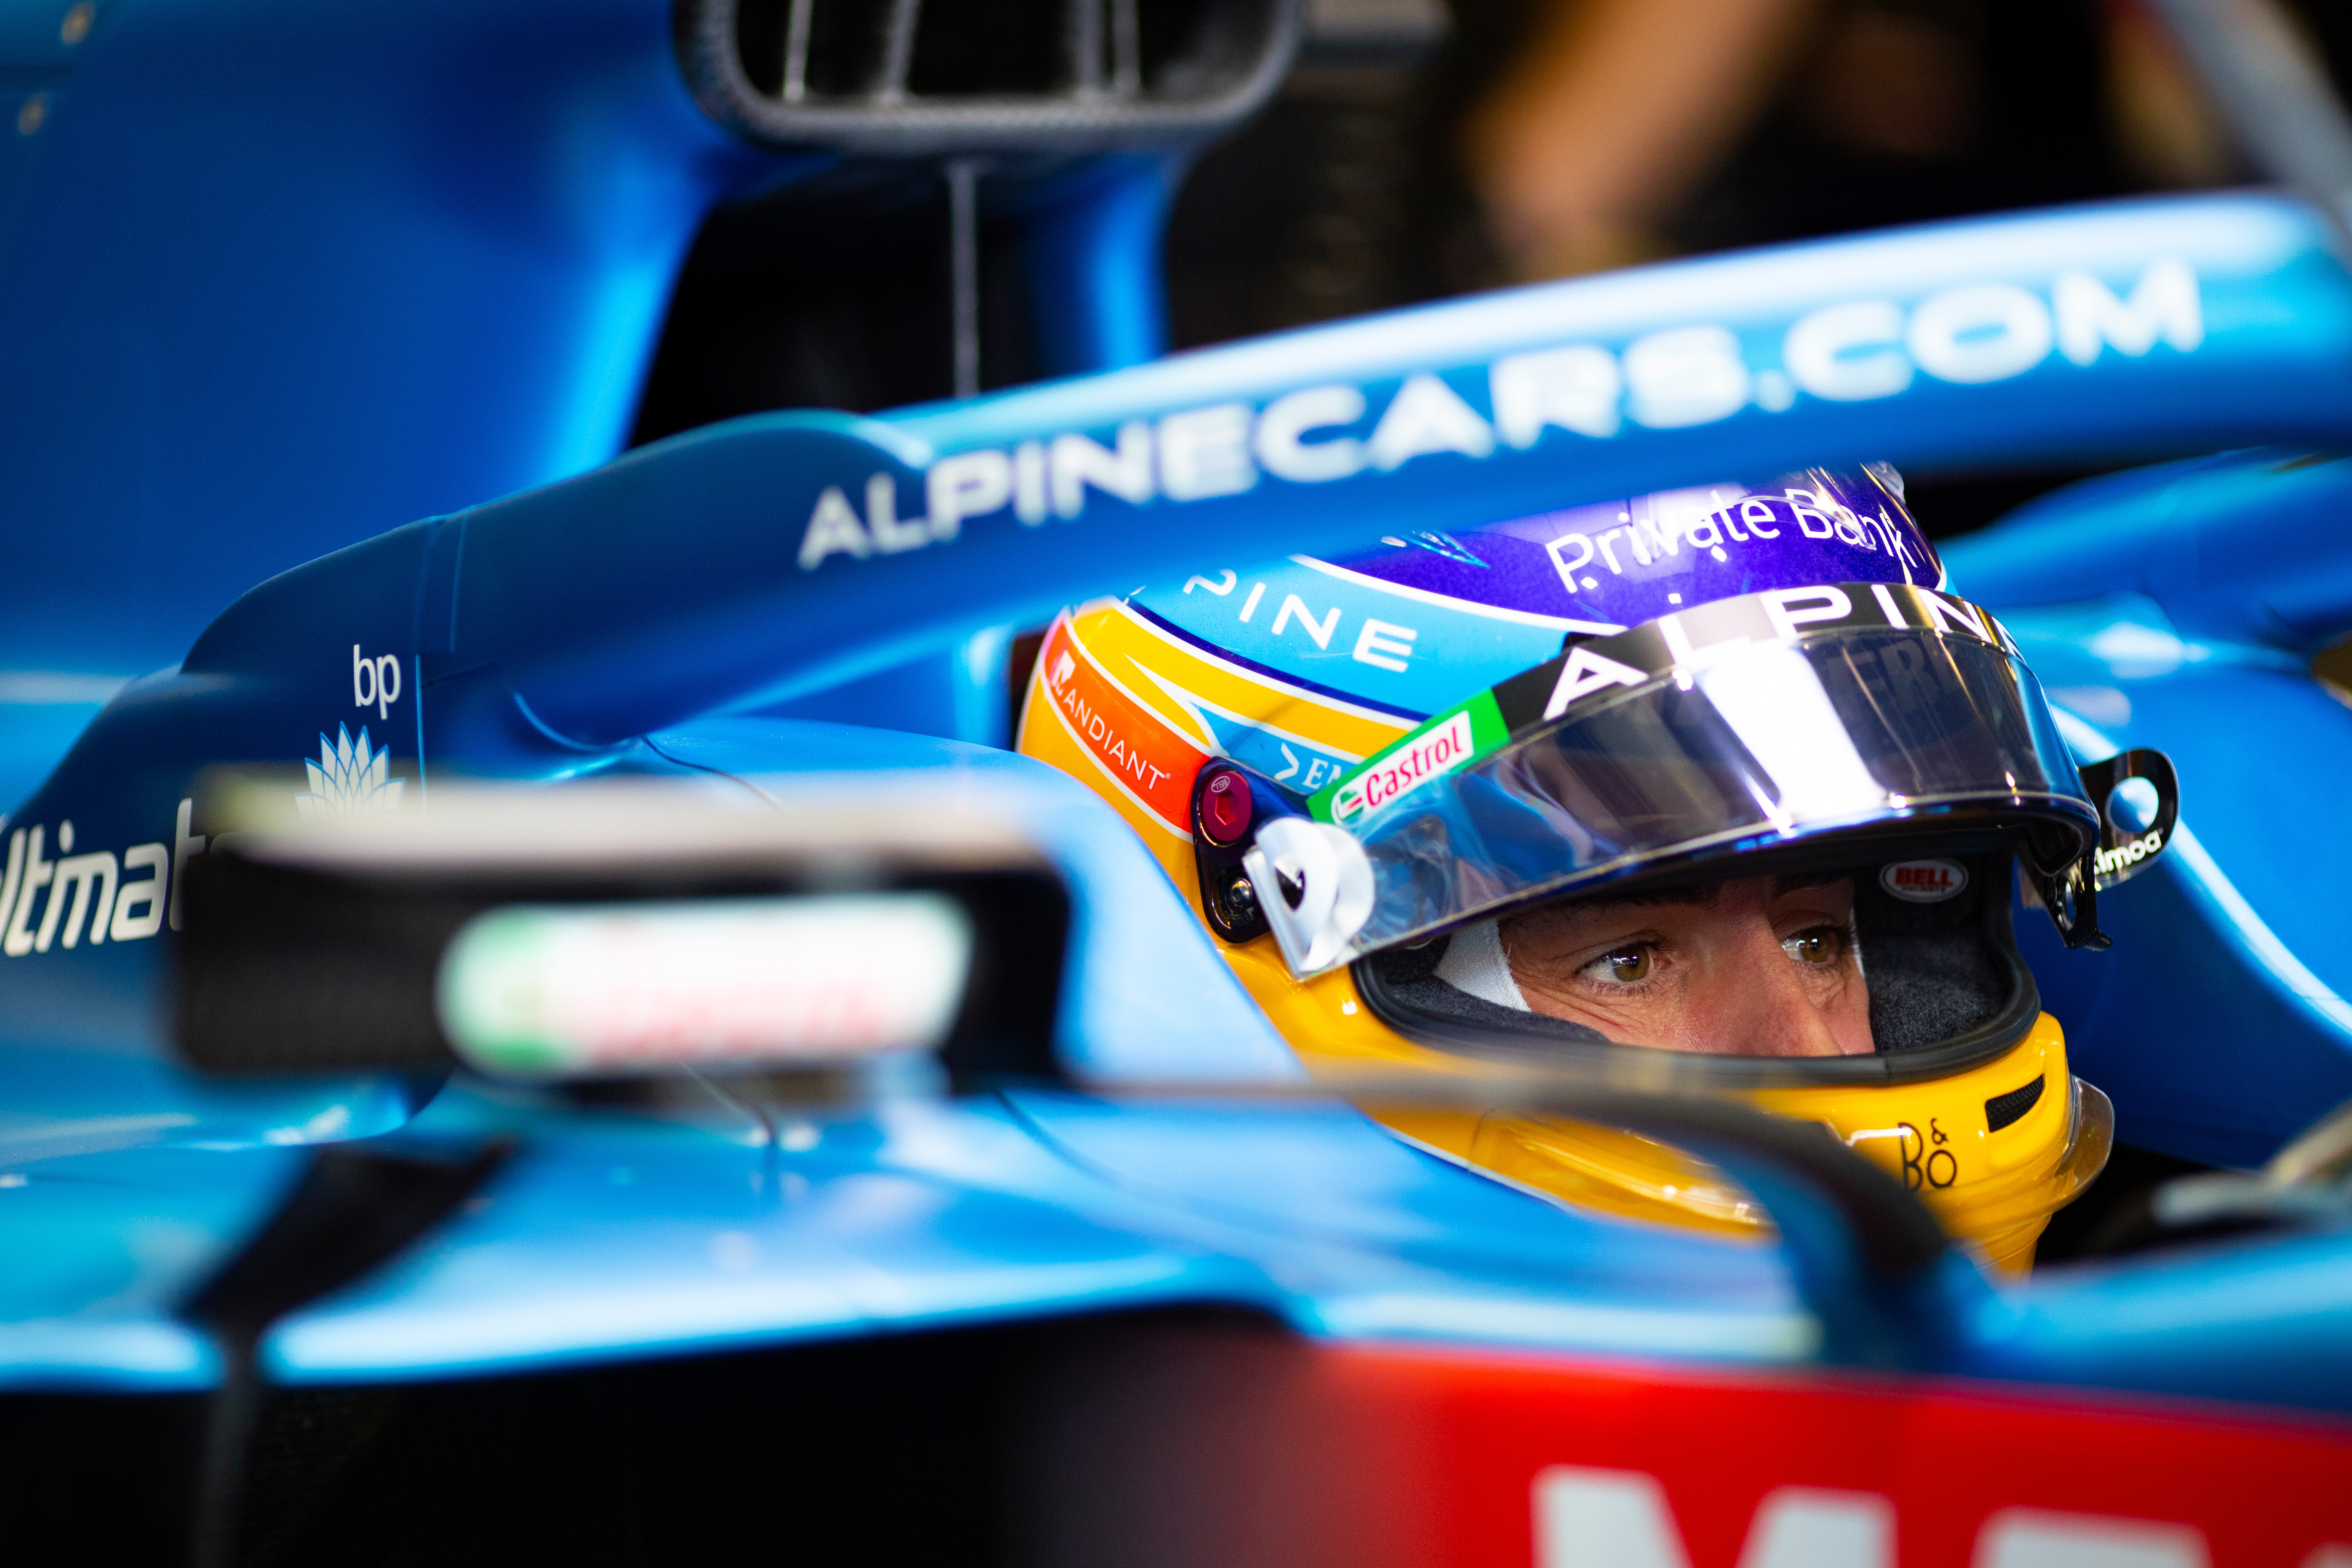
[{"x": 619, "y": 930}]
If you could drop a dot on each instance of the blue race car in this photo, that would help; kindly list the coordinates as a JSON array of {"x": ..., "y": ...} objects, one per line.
[{"x": 484, "y": 1078}]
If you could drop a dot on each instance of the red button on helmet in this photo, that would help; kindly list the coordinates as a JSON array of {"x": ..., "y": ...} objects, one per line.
[{"x": 1225, "y": 808}]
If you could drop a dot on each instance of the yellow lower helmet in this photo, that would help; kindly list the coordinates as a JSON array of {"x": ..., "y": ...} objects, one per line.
[{"x": 1352, "y": 768}]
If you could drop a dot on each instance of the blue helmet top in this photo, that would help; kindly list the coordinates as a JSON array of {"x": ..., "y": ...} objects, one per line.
[
  {"x": 1622, "y": 562},
  {"x": 1424, "y": 618}
]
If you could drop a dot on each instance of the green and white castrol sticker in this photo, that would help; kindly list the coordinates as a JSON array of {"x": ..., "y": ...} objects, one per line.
[{"x": 1592, "y": 672}]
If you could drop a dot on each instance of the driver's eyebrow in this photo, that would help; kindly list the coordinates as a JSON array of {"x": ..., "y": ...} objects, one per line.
[
  {"x": 1699, "y": 893},
  {"x": 1798, "y": 884}
]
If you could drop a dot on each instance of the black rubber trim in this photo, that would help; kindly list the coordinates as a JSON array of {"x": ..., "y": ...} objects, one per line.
[{"x": 2002, "y": 1109}]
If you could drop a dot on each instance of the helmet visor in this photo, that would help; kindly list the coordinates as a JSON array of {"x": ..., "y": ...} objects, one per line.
[{"x": 1744, "y": 724}]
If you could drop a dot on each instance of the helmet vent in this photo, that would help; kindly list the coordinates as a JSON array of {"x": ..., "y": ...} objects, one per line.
[{"x": 2003, "y": 1109}]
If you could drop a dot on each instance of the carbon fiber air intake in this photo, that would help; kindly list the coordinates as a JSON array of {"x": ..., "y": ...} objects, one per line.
[{"x": 899, "y": 79}]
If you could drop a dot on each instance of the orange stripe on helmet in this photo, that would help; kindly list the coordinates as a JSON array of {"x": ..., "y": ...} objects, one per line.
[{"x": 1150, "y": 761}]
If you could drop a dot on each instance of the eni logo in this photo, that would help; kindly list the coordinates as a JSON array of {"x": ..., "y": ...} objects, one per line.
[{"x": 1923, "y": 882}]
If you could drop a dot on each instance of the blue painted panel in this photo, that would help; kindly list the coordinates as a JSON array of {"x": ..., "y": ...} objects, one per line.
[
  {"x": 618, "y": 1235},
  {"x": 2242, "y": 549},
  {"x": 623, "y": 1235},
  {"x": 101, "y": 1248},
  {"x": 2205, "y": 1053},
  {"x": 2266, "y": 287},
  {"x": 43, "y": 35},
  {"x": 42, "y": 712},
  {"x": 2175, "y": 607},
  {"x": 2263, "y": 1320},
  {"x": 58, "y": 1101},
  {"x": 959, "y": 694},
  {"x": 275, "y": 277},
  {"x": 1093, "y": 260},
  {"x": 1376, "y": 1239},
  {"x": 542, "y": 636},
  {"x": 2217, "y": 1021},
  {"x": 615, "y": 1236}
]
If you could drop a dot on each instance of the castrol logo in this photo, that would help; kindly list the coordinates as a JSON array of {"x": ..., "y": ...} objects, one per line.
[
  {"x": 1441, "y": 751},
  {"x": 1923, "y": 882}
]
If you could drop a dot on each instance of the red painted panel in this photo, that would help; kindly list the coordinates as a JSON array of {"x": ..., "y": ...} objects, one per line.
[
  {"x": 2265, "y": 1492},
  {"x": 1236, "y": 1449}
]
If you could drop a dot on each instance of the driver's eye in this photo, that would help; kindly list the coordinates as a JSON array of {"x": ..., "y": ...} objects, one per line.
[
  {"x": 1626, "y": 965},
  {"x": 1820, "y": 945}
]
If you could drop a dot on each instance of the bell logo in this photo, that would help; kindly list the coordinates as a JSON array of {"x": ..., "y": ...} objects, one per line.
[{"x": 1925, "y": 882}]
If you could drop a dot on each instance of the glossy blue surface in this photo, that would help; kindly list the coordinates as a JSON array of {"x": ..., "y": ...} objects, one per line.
[
  {"x": 1095, "y": 286},
  {"x": 103, "y": 1246},
  {"x": 2260, "y": 1320},
  {"x": 2178, "y": 609},
  {"x": 276, "y": 279},
  {"x": 604, "y": 625},
  {"x": 618, "y": 1235},
  {"x": 614, "y": 1237},
  {"x": 621, "y": 1235}
]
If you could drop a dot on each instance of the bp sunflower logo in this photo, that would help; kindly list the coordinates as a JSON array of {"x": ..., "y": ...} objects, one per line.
[{"x": 349, "y": 777}]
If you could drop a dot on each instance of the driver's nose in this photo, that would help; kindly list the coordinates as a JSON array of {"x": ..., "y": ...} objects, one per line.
[{"x": 1765, "y": 1005}]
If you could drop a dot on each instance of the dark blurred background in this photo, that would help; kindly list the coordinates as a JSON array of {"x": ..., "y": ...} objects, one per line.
[{"x": 1426, "y": 147}]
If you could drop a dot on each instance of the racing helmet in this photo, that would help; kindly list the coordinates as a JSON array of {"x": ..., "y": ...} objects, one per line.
[{"x": 1355, "y": 768}]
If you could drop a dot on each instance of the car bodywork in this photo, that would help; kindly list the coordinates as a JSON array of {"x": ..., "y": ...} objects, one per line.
[
  {"x": 2192, "y": 598},
  {"x": 649, "y": 615}
]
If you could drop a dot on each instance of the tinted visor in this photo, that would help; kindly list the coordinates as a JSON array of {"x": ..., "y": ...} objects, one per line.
[{"x": 1736, "y": 741}]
